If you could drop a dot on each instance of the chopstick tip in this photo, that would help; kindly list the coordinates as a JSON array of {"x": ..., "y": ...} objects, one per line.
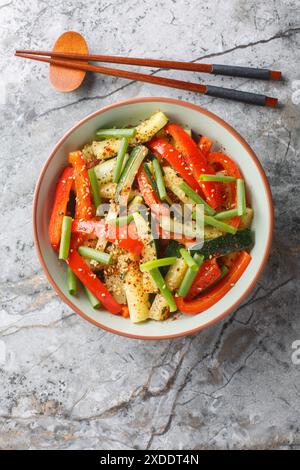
[
  {"x": 275, "y": 75},
  {"x": 271, "y": 102}
]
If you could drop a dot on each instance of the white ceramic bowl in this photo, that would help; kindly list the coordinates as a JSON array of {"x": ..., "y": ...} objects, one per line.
[{"x": 200, "y": 120}]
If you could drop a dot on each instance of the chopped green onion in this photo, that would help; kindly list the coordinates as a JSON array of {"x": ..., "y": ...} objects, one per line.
[
  {"x": 222, "y": 179},
  {"x": 165, "y": 292},
  {"x": 91, "y": 253},
  {"x": 169, "y": 200},
  {"x": 117, "y": 133},
  {"x": 129, "y": 172},
  {"x": 157, "y": 263},
  {"x": 189, "y": 276},
  {"x": 65, "y": 237},
  {"x": 188, "y": 259},
  {"x": 120, "y": 160},
  {"x": 196, "y": 198},
  {"x": 241, "y": 197},
  {"x": 159, "y": 180},
  {"x": 135, "y": 204},
  {"x": 95, "y": 187},
  {"x": 226, "y": 214},
  {"x": 93, "y": 300},
  {"x": 150, "y": 178},
  {"x": 72, "y": 282},
  {"x": 220, "y": 225},
  {"x": 122, "y": 220}
]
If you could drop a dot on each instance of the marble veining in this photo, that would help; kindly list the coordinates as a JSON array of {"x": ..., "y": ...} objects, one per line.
[{"x": 66, "y": 384}]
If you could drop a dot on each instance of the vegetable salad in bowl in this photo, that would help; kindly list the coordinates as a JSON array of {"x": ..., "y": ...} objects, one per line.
[{"x": 152, "y": 220}]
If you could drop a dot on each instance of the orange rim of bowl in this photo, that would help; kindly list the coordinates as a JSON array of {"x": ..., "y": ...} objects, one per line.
[{"x": 232, "y": 132}]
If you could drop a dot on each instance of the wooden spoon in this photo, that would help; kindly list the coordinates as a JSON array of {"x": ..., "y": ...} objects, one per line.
[{"x": 62, "y": 78}]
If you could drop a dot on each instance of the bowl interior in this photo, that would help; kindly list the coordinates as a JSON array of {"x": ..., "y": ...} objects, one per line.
[{"x": 131, "y": 113}]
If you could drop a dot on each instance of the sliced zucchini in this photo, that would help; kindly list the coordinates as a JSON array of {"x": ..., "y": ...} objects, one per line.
[
  {"x": 104, "y": 149},
  {"x": 159, "y": 309},
  {"x": 115, "y": 286},
  {"x": 148, "y": 128},
  {"x": 148, "y": 252},
  {"x": 129, "y": 172},
  {"x": 228, "y": 243},
  {"x": 173, "y": 182},
  {"x": 137, "y": 298},
  {"x": 188, "y": 229},
  {"x": 108, "y": 190},
  {"x": 88, "y": 153},
  {"x": 211, "y": 232},
  {"x": 104, "y": 171},
  {"x": 173, "y": 249},
  {"x": 175, "y": 274}
]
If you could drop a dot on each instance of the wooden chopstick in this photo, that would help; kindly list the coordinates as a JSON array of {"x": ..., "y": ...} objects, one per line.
[
  {"x": 220, "y": 92},
  {"x": 217, "y": 69}
]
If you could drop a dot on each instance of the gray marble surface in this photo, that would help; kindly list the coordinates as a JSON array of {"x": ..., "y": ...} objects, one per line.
[{"x": 66, "y": 384}]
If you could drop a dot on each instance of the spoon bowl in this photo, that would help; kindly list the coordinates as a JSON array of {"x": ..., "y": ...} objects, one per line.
[{"x": 66, "y": 79}]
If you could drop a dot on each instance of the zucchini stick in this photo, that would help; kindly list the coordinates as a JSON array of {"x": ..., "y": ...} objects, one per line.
[{"x": 137, "y": 298}]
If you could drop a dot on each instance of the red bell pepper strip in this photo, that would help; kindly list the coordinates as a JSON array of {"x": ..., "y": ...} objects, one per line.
[
  {"x": 197, "y": 164},
  {"x": 90, "y": 227},
  {"x": 125, "y": 237},
  {"x": 216, "y": 293},
  {"x": 84, "y": 208},
  {"x": 149, "y": 195},
  {"x": 205, "y": 144},
  {"x": 125, "y": 311},
  {"x": 208, "y": 273},
  {"x": 59, "y": 209},
  {"x": 222, "y": 162},
  {"x": 165, "y": 150},
  {"x": 90, "y": 280}
]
